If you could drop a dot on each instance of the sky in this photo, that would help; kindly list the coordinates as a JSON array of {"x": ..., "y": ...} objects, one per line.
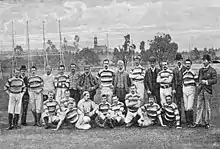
[{"x": 190, "y": 22}]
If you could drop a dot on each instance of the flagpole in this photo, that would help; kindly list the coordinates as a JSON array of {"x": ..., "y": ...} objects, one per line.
[
  {"x": 13, "y": 46},
  {"x": 132, "y": 55},
  {"x": 44, "y": 48},
  {"x": 61, "y": 51},
  {"x": 28, "y": 47},
  {"x": 107, "y": 46}
]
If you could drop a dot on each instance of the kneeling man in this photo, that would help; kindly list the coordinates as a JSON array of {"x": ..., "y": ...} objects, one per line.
[
  {"x": 87, "y": 111},
  {"x": 103, "y": 118},
  {"x": 150, "y": 113}
]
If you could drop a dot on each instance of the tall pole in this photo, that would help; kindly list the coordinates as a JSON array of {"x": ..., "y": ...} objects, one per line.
[
  {"x": 44, "y": 48},
  {"x": 132, "y": 55},
  {"x": 13, "y": 46},
  {"x": 107, "y": 46},
  {"x": 28, "y": 47},
  {"x": 61, "y": 51}
]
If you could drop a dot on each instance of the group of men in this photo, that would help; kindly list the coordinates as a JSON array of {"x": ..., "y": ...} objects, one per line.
[{"x": 142, "y": 97}]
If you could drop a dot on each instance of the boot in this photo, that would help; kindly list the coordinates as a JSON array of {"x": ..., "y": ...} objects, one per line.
[
  {"x": 111, "y": 123},
  {"x": 46, "y": 123},
  {"x": 15, "y": 121},
  {"x": 38, "y": 115},
  {"x": 187, "y": 117},
  {"x": 10, "y": 118},
  {"x": 191, "y": 118},
  {"x": 35, "y": 118}
]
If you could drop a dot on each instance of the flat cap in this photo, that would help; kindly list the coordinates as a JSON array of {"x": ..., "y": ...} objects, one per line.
[
  {"x": 152, "y": 59},
  {"x": 23, "y": 67}
]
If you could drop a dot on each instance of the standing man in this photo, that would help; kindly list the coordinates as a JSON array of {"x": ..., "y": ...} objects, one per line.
[
  {"x": 164, "y": 78},
  {"x": 15, "y": 88},
  {"x": 25, "y": 98},
  {"x": 35, "y": 84},
  {"x": 189, "y": 90},
  {"x": 74, "y": 81},
  {"x": 207, "y": 78},
  {"x": 121, "y": 82},
  {"x": 62, "y": 83},
  {"x": 150, "y": 80},
  {"x": 106, "y": 78},
  {"x": 137, "y": 77},
  {"x": 48, "y": 79},
  {"x": 178, "y": 82},
  {"x": 88, "y": 82}
]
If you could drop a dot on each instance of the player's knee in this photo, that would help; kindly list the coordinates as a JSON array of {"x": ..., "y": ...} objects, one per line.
[{"x": 86, "y": 119}]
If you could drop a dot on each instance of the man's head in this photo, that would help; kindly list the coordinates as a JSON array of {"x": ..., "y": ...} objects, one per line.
[
  {"x": 151, "y": 99},
  {"x": 133, "y": 89},
  {"x": 188, "y": 63},
  {"x": 50, "y": 95},
  {"x": 169, "y": 99},
  {"x": 67, "y": 93},
  {"x": 120, "y": 65},
  {"x": 206, "y": 60},
  {"x": 48, "y": 69},
  {"x": 17, "y": 72},
  {"x": 86, "y": 95},
  {"x": 179, "y": 59},
  {"x": 152, "y": 61},
  {"x": 106, "y": 64},
  {"x": 33, "y": 70},
  {"x": 23, "y": 69},
  {"x": 164, "y": 65},
  {"x": 137, "y": 60},
  {"x": 73, "y": 67},
  {"x": 114, "y": 99},
  {"x": 61, "y": 69},
  {"x": 87, "y": 69},
  {"x": 104, "y": 98},
  {"x": 71, "y": 104}
]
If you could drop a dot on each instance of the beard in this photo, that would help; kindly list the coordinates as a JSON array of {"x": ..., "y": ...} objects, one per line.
[{"x": 48, "y": 73}]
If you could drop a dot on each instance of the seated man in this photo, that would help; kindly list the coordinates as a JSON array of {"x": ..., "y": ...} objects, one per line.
[
  {"x": 103, "y": 118},
  {"x": 150, "y": 113},
  {"x": 51, "y": 114},
  {"x": 117, "y": 110},
  {"x": 171, "y": 115},
  {"x": 87, "y": 111},
  {"x": 70, "y": 114},
  {"x": 65, "y": 100},
  {"x": 133, "y": 102}
]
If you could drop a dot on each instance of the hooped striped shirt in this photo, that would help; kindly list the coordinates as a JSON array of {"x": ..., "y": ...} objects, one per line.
[
  {"x": 132, "y": 99},
  {"x": 106, "y": 77},
  {"x": 104, "y": 108},
  {"x": 137, "y": 74},
  {"x": 117, "y": 107},
  {"x": 51, "y": 107},
  {"x": 151, "y": 111},
  {"x": 165, "y": 77},
  {"x": 171, "y": 113},
  {"x": 189, "y": 78}
]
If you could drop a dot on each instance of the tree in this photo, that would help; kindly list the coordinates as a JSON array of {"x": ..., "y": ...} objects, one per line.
[
  {"x": 163, "y": 47},
  {"x": 142, "y": 46},
  {"x": 18, "y": 50},
  {"x": 195, "y": 54}
]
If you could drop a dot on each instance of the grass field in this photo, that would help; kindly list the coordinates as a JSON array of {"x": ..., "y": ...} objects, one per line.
[{"x": 126, "y": 138}]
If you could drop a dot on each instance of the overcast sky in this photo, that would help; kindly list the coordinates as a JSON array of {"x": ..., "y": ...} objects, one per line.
[{"x": 190, "y": 22}]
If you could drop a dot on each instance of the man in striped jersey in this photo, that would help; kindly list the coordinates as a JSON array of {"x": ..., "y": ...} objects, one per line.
[
  {"x": 106, "y": 78},
  {"x": 164, "y": 78},
  {"x": 15, "y": 88},
  {"x": 117, "y": 111},
  {"x": 61, "y": 83},
  {"x": 51, "y": 114},
  {"x": 137, "y": 75},
  {"x": 65, "y": 100},
  {"x": 150, "y": 113},
  {"x": 35, "y": 84},
  {"x": 70, "y": 114},
  {"x": 103, "y": 118},
  {"x": 171, "y": 115},
  {"x": 48, "y": 79},
  {"x": 189, "y": 89},
  {"x": 133, "y": 103}
]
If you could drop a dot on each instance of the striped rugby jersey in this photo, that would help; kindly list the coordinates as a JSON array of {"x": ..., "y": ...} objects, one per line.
[
  {"x": 104, "y": 108},
  {"x": 51, "y": 107},
  {"x": 106, "y": 77},
  {"x": 72, "y": 115},
  {"x": 133, "y": 98},
  {"x": 171, "y": 113},
  {"x": 165, "y": 74},
  {"x": 137, "y": 74},
  {"x": 35, "y": 83},
  {"x": 117, "y": 107},
  {"x": 189, "y": 78},
  {"x": 151, "y": 111},
  {"x": 62, "y": 81},
  {"x": 15, "y": 85},
  {"x": 64, "y": 103}
]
